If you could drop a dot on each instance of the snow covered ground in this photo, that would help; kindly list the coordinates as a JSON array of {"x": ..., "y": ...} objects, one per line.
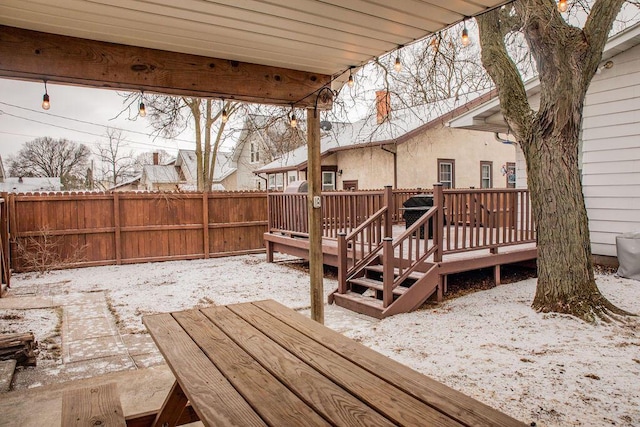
[{"x": 549, "y": 369}]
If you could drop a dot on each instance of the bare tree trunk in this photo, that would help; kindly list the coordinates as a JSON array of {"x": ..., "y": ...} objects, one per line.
[
  {"x": 207, "y": 167},
  {"x": 194, "y": 106},
  {"x": 567, "y": 59}
]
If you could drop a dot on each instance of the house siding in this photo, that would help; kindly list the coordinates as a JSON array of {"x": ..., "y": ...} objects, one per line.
[
  {"x": 418, "y": 158},
  {"x": 611, "y": 152}
]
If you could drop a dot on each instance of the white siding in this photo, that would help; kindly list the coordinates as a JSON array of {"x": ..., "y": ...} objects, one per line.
[{"x": 611, "y": 152}]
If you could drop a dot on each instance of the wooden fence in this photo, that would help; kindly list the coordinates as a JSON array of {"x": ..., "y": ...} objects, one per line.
[
  {"x": 5, "y": 271},
  {"x": 87, "y": 229}
]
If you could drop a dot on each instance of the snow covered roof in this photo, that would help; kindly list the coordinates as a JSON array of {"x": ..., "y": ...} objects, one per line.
[
  {"x": 29, "y": 184},
  {"x": 403, "y": 124},
  {"x": 161, "y": 174}
]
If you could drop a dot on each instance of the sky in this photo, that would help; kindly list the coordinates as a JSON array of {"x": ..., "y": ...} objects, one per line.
[{"x": 77, "y": 113}]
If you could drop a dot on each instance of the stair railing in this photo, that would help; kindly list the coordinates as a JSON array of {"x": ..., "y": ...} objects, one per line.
[{"x": 410, "y": 250}]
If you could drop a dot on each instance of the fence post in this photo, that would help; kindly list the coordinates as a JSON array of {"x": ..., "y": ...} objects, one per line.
[
  {"x": 6, "y": 254},
  {"x": 116, "y": 225},
  {"x": 438, "y": 226},
  {"x": 388, "y": 276},
  {"x": 342, "y": 262},
  {"x": 205, "y": 224},
  {"x": 269, "y": 220},
  {"x": 388, "y": 202}
]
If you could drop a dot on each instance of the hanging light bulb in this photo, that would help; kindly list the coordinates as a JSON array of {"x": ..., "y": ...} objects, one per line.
[
  {"x": 225, "y": 116},
  {"x": 465, "y": 36},
  {"x": 142, "y": 111},
  {"x": 398, "y": 65},
  {"x": 350, "y": 81},
  {"x": 294, "y": 121},
  {"x": 435, "y": 43},
  {"x": 562, "y": 6},
  {"x": 45, "y": 98}
]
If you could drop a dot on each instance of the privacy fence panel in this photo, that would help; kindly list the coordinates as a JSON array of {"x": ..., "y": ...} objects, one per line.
[{"x": 81, "y": 229}]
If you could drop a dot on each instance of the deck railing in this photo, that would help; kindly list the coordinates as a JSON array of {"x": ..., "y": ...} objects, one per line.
[{"x": 342, "y": 211}]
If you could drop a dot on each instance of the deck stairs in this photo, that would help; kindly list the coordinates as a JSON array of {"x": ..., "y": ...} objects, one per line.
[{"x": 365, "y": 291}]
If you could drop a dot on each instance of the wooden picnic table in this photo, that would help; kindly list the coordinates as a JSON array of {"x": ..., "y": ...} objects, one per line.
[{"x": 261, "y": 363}]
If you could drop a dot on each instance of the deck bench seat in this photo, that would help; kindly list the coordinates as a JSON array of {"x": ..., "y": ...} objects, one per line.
[{"x": 91, "y": 406}]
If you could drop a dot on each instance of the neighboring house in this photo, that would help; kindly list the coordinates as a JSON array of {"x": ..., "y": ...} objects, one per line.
[
  {"x": 133, "y": 184},
  {"x": 262, "y": 139},
  {"x": 403, "y": 149},
  {"x": 25, "y": 184},
  {"x": 29, "y": 184},
  {"x": 610, "y": 141},
  {"x": 180, "y": 174}
]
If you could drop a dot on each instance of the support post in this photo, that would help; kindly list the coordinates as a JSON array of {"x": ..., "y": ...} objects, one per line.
[
  {"x": 116, "y": 224},
  {"x": 342, "y": 263},
  {"x": 496, "y": 274},
  {"x": 314, "y": 210},
  {"x": 387, "y": 271},
  {"x": 205, "y": 224},
  {"x": 438, "y": 226},
  {"x": 388, "y": 216}
]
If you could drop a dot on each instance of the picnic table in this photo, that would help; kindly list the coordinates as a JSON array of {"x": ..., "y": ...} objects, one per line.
[{"x": 261, "y": 363}]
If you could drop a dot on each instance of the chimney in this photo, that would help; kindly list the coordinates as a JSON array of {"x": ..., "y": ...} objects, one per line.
[
  {"x": 383, "y": 105},
  {"x": 156, "y": 158}
]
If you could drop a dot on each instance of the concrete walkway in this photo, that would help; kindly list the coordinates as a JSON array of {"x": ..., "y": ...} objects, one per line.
[{"x": 93, "y": 352}]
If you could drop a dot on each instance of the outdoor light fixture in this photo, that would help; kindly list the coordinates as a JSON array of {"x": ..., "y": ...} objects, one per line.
[
  {"x": 225, "y": 116},
  {"x": 435, "y": 43},
  {"x": 142, "y": 111},
  {"x": 350, "y": 81},
  {"x": 45, "y": 98},
  {"x": 294, "y": 121},
  {"x": 562, "y": 6},
  {"x": 398, "y": 65},
  {"x": 465, "y": 35}
]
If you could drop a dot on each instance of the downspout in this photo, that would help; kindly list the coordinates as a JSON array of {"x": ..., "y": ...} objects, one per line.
[{"x": 395, "y": 165}]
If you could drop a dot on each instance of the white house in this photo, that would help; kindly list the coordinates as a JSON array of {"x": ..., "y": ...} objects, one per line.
[{"x": 610, "y": 141}]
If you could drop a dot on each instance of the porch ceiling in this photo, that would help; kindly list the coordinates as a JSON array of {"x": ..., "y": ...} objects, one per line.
[{"x": 325, "y": 37}]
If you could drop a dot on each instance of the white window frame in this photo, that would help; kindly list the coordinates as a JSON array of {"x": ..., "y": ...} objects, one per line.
[
  {"x": 329, "y": 186},
  {"x": 446, "y": 183},
  {"x": 254, "y": 153},
  {"x": 486, "y": 179}
]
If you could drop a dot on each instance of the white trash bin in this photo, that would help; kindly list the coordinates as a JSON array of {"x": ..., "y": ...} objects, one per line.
[{"x": 628, "y": 247}]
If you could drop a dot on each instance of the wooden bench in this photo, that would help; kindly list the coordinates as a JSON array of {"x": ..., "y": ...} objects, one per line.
[{"x": 92, "y": 406}]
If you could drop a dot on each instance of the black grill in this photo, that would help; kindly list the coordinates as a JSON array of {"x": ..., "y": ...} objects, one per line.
[{"x": 414, "y": 208}]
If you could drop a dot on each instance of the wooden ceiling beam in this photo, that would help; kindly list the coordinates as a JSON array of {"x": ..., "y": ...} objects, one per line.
[{"x": 33, "y": 55}]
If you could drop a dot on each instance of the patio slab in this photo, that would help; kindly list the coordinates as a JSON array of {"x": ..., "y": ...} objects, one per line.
[
  {"x": 93, "y": 348},
  {"x": 88, "y": 328},
  {"x": 140, "y": 391}
]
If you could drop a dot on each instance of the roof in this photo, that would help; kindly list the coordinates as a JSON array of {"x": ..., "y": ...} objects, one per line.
[
  {"x": 404, "y": 125},
  {"x": 488, "y": 117},
  {"x": 311, "y": 35},
  {"x": 161, "y": 174},
  {"x": 29, "y": 184},
  {"x": 186, "y": 162}
]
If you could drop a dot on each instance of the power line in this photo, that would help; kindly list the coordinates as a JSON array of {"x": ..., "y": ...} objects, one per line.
[
  {"x": 146, "y": 144},
  {"x": 83, "y": 121}
]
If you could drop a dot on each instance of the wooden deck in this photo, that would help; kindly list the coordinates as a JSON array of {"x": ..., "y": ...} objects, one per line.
[
  {"x": 261, "y": 363},
  {"x": 386, "y": 268}
]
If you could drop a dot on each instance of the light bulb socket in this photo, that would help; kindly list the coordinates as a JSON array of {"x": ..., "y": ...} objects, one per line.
[{"x": 45, "y": 102}]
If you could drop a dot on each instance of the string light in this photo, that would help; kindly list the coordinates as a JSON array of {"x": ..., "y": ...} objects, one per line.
[
  {"x": 225, "y": 116},
  {"x": 562, "y": 6},
  {"x": 398, "y": 64},
  {"x": 435, "y": 43},
  {"x": 350, "y": 82},
  {"x": 45, "y": 98},
  {"x": 142, "y": 111},
  {"x": 294, "y": 121},
  {"x": 465, "y": 35}
]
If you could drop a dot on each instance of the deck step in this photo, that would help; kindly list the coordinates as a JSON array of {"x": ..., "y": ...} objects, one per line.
[
  {"x": 377, "y": 285},
  {"x": 416, "y": 275},
  {"x": 360, "y": 304}
]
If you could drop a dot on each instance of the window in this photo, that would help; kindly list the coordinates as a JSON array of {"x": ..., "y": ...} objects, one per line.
[
  {"x": 486, "y": 174},
  {"x": 258, "y": 183},
  {"x": 511, "y": 175},
  {"x": 275, "y": 182},
  {"x": 292, "y": 177},
  {"x": 328, "y": 181},
  {"x": 447, "y": 173},
  {"x": 255, "y": 153}
]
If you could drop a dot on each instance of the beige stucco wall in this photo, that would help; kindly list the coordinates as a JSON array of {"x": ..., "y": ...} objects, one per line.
[{"x": 418, "y": 159}]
